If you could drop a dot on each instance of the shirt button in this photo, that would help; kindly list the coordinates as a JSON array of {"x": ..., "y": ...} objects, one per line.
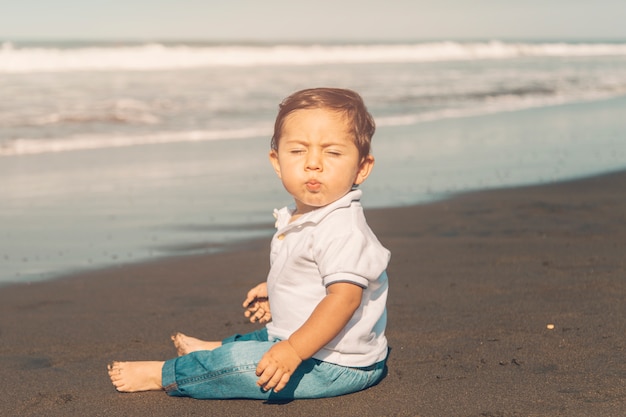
[{"x": 281, "y": 236}]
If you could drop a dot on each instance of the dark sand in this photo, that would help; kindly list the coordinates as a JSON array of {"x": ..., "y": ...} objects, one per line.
[{"x": 474, "y": 282}]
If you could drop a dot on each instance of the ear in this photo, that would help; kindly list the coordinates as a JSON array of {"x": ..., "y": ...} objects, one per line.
[
  {"x": 274, "y": 161},
  {"x": 364, "y": 169}
]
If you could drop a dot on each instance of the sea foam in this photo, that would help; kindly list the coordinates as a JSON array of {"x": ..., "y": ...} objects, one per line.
[{"x": 155, "y": 56}]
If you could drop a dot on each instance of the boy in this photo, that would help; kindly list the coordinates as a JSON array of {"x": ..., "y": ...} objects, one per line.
[{"x": 325, "y": 295}]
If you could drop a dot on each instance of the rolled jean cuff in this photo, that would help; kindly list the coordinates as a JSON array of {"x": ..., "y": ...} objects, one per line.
[{"x": 168, "y": 378}]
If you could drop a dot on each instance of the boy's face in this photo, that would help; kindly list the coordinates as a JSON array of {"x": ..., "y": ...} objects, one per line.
[{"x": 317, "y": 159}]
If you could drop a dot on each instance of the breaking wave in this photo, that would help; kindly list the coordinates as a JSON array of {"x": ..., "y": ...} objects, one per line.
[{"x": 158, "y": 56}]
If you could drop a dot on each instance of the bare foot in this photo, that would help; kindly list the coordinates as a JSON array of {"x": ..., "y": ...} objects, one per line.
[
  {"x": 136, "y": 376},
  {"x": 186, "y": 344}
]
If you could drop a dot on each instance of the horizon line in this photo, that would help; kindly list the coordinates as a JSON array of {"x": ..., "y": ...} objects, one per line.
[{"x": 273, "y": 41}]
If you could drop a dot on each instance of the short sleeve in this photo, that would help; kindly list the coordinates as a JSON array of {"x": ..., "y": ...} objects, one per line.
[{"x": 346, "y": 250}]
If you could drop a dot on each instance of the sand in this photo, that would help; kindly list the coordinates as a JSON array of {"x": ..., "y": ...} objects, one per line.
[{"x": 477, "y": 282}]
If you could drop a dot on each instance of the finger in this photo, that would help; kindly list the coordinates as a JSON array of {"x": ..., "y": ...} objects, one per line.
[
  {"x": 251, "y": 310},
  {"x": 252, "y": 306},
  {"x": 260, "y": 368},
  {"x": 283, "y": 382},
  {"x": 266, "y": 376},
  {"x": 256, "y": 315},
  {"x": 247, "y": 301},
  {"x": 250, "y": 298},
  {"x": 275, "y": 380}
]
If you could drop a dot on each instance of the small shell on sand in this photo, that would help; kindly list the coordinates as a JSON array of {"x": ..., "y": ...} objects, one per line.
[{"x": 550, "y": 326}]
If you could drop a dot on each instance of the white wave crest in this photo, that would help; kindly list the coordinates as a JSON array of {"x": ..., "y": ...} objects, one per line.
[
  {"x": 26, "y": 146},
  {"x": 161, "y": 57}
]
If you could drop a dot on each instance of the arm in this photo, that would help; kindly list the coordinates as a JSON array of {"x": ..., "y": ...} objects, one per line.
[
  {"x": 328, "y": 319},
  {"x": 257, "y": 304}
]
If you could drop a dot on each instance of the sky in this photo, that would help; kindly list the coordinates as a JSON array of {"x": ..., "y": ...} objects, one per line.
[{"x": 318, "y": 20}]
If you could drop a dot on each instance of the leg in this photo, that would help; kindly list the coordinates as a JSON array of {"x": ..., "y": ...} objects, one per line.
[
  {"x": 230, "y": 372},
  {"x": 136, "y": 376},
  {"x": 186, "y": 344},
  {"x": 148, "y": 375},
  {"x": 226, "y": 372}
]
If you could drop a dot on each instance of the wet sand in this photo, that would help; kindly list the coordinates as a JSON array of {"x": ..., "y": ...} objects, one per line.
[{"x": 475, "y": 282}]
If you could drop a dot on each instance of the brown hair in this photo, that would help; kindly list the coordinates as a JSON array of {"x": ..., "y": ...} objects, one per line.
[{"x": 344, "y": 101}]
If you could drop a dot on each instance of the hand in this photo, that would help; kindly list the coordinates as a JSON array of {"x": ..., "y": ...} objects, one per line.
[
  {"x": 277, "y": 366},
  {"x": 257, "y": 304}
]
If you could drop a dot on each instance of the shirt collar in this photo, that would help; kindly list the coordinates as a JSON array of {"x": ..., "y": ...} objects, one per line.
[{"x": 283, "y": 215}]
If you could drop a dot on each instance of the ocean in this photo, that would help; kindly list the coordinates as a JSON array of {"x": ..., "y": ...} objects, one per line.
[{"x": 121, "y": 152}]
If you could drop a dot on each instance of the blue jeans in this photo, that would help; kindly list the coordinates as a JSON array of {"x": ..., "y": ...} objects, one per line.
[{"x": 229, "y": 372}]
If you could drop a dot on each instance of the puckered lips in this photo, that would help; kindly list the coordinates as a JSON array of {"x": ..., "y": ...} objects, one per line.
[{"x": 313, "y": 185}]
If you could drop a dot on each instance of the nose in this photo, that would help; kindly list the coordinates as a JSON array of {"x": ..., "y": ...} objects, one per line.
[{"x": 313, "y": 161}]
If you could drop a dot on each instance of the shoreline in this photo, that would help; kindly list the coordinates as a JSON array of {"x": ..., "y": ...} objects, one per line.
[
  {"x": 215, "y": 249},
  {"x": 475, "y": 280}
]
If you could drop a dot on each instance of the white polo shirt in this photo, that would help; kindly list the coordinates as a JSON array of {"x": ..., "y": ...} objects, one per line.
[{"x": 329, "y": 245}]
